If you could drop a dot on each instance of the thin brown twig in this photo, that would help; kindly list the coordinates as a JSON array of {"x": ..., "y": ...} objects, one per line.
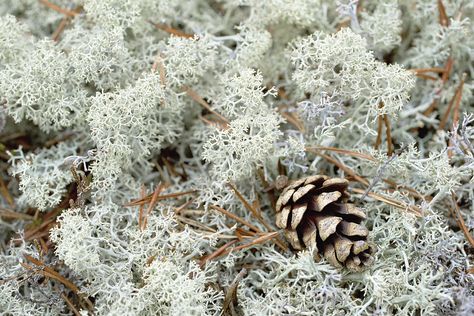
[
  {"x": 388, "y": 132},
  {"x": 6, "y": 213},
  {"x": 230, "y": 300},
  {"x": 352, "y": 153},
  {"x": 196, "y": 97},
  {"x": 141, "y": 207},
  {"x": 148, "y": 198},
  {"x": 378, "y": 140},
  {"x": 255, "y": 213},
  {"x": 426, "y": 77},
  {"x": 158, "y": 64},
  {"x": 432, "y": 69},
  {"x": 414, "y": 209},
  {"x": 444, "y": 78},
  {"x": 179, "y": 209},
  {"x": 58, "y": 8},
  {"x": 461, "y": 222},
  {"x": 443, "y": 17},
  {"x": 256, "y": 241},
  {"x": 293, "y": 119},
  {"x": 235, "y": 218},
  {"x": 151, "y": 206},
  {"x": 63, "y": 24},
  {"x": 346, "y": 169},
  {"x": 455, "y": 101},
  {"x": 216, "y": 253},
  {"x": 194, "y": 223},
  {"x": 50, "y": 272},
  {"x": 170, "y": 30},
  {"x": 70, "y": 304},
  {"x": 5, "y": 193}
]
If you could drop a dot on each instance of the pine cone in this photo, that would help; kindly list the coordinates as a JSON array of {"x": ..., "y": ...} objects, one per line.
[{"x": 314, "y": 213}]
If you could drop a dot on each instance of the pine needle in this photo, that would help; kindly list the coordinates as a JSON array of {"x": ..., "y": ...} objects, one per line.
[
  {"x": 196, "y": 97},
  {"x": 170, "y": 30},
  {"x": 461, "y": 222},
  {"x": 235, "y": 218},
  {"x": 57, "y": 8}
]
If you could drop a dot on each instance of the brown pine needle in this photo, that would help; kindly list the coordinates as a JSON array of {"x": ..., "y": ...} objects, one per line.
[
  {"x": 5, "y": 193},
  {"x": 426, "y": 77},
  {"x": 256, "y": 241},
  {"x": 447, "y": 69},
  {"x": 6, "y": 213},
  {"x": 51, "y": 273},
  {"x": 235, "y": 218},
  {"x": 141, "y": 207},
  {"x": 461, "y": 222},
  {"x": 293, "y": 119},
  {"x": 151, "y": 206},
  {"x": 147, "y": 198},
  {"x": 378, "y": 140},
  {"x": 170, "y": 30},
  {"x": 271, "y": 196},
  {"x": 443, "y": 17},
  {"x": 249, "y": 207},
  {"x": 63, "y": 24},
  {"x": 158, "y": 64},
  {"x": 230, "y": 300},
  {"x": 414, "y": 209},
  {"x": 456, "y": 101},
  {"x": 69, "y": 303},
  {"x": 178, "y": 210},
  {"x": 196, "y": 97},
  {"x": 194, "y": 223},
  {"x": 388, "y": 131},
  {"x": 346, "y": 169},
  {"x": 352, "y": 153},
  {"x": 58, "y": 8},
  {"x": 216, "y": 253},
  {"x": 432, "y": 69},
  {"x": 256, "y": 214}
]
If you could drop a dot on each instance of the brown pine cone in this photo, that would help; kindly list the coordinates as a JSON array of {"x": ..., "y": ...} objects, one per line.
[{"x": 314, "y": 213}]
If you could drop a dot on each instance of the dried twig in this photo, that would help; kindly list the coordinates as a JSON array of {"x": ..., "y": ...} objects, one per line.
[
  {"x": 6, "y": 213},
  {"x": 455, "y": 100},
  {"x": 316, "y": 149},
  {"x": 414, "y": 209},
  {"x": 196, "y": 97},
  {"x": 148, "y": 198},
  {"x": 58, "y": 8},
  {"x": 5, "y": 193},
  {"x": 346, "y": 169},
  {"x": 460, "y": 221},
  {"x": 216, "y": 253},
  {"x": 151, "y": 206},
  {"x": 158, "y": 64},
  {"x": 235, "y": 218},
  {"x": 170, "y": 30},
  {"x": 443, "y": 17},
  {"x": 389, "y": 134},
  {"x": 63, "y": 24},
  {"x": 51, "y": 273},
  {"x": 230, "y": 300},
  {"x": 256, "y": 214}
]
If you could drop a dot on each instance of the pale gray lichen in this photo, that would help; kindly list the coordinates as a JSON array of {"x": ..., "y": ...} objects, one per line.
[{"x": 115, "y": 96}]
